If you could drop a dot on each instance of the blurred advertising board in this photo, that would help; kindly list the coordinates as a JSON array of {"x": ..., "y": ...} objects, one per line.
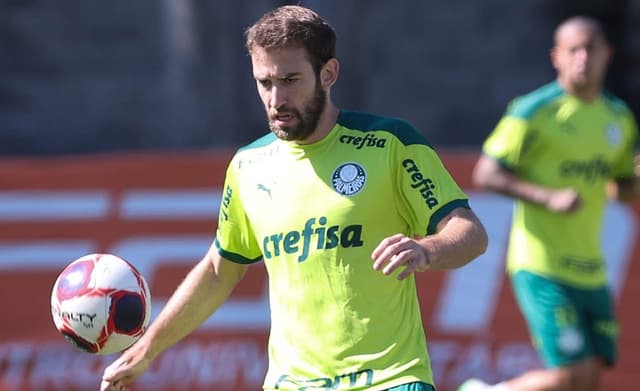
[{"x": 159, "y": 211}]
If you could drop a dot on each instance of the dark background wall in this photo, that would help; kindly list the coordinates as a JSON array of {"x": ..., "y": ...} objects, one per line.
[{"x": 83, "y": 76}]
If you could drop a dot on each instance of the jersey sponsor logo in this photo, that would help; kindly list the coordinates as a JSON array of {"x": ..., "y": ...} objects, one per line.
[
  {"x": 582, "y": 265},
  {"x": 348, "y": 179},
  {"x": 369, "y": 141},
  {"x": 226, "y": 200},
  {"x": 589, "y": 170},
  {"x": 363, "y": 377},
  {"x": 315, "y": 233},
  {"x": 421, "y": 183}
]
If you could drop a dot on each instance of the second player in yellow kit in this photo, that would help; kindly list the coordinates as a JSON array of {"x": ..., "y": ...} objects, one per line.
[
  {"x": 562, "y": 151},
  {"x": 554, "y": 139}
]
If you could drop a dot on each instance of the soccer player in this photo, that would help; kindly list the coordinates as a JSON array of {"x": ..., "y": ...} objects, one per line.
[
  {"x": 342, "y": 208},
  {"x": 560, "y": 151}
]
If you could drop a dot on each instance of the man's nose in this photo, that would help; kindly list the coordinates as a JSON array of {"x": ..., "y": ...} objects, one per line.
[{"x": 277, "y": 98}]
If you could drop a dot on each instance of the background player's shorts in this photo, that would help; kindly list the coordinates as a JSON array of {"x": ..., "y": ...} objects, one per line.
[
  {"x": 417, "y": 386},
  {"x": 567, "y": 324}
]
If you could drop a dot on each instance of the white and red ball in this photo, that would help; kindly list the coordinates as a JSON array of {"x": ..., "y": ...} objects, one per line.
[{"x": 101, "y": 304}]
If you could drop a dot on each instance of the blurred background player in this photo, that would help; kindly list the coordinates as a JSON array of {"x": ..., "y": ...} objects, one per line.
[
  {"x": 343, "y": 208},
  {"x": 560, "y": 151}
]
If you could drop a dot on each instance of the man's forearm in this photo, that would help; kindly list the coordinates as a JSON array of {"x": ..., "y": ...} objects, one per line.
[
  {"x": 202, "y": 292},
  {"x": 627, "y": 190},
  {"x": 459, "y": 240}
]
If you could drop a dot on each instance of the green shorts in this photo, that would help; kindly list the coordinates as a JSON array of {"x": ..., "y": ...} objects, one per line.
[
  {"x": 567, "y": 324},
  {"x": 417, "y": 386}
]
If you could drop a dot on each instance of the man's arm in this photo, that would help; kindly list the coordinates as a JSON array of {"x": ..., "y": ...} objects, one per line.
[
  {"x": 203, "y": 290},
  {"x": 628, "y": 189},
  {"x": 624, "y": 190},
  {"x": 490, "y": 175},
  {"x": 460, "y": 238}
]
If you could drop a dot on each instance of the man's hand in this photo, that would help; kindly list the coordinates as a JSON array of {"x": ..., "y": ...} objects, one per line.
[
  {"x": 400, "y": 250},
  {"x": 563, "y": 201},
  {"x": 131, "y": 364}
]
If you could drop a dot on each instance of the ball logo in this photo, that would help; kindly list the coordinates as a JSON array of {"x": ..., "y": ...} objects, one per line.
[
  {"x": 75, "y": 281},
  {"x": 348, "y": 179}
]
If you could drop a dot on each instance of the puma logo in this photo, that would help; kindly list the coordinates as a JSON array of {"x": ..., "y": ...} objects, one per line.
[{"x": 265, "y": 189}]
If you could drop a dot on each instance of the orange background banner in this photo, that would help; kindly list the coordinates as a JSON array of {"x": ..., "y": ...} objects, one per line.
[{"x": 159, "y": 211}]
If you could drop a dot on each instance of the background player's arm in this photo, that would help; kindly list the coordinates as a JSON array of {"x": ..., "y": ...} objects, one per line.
[
  {"x": 628, "y": 189},
  {"x": 490, "y": 175},
  {"x": 625, "y": 190},
  {"x": 203, "y": 290}
]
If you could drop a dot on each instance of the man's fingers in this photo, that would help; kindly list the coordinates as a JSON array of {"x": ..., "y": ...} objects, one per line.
[
  {"x": 411, "y": 267},
  {"x": 112, "y": 386},
  {"x": 114, "y": 376},
  {"x": 395, "y": 261},
  {"x": 399, "y": 251},
  {"x": 384, "y": 245}
]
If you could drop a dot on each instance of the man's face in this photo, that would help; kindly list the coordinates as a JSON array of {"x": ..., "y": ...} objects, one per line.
[
  {"x": 290, "y": 91},
  {"x": 581, "y": 57}
]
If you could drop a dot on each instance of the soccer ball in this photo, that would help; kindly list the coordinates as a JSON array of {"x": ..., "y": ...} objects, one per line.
[{"x": 101, "y": 304}]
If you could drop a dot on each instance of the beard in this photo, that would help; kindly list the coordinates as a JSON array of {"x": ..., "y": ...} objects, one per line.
[{"x": 307, "y": 119}]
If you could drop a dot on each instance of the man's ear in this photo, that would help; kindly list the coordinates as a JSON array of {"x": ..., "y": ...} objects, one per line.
[
  {"x": 329, "y": 73},
  {"x": 553, "y": 57},
  {"x": 611, "y": 52}
]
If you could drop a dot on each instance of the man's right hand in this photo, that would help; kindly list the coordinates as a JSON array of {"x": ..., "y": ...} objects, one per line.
[
  {"x": 563, "y": 201},
  {"x": 131, "y": 364}
]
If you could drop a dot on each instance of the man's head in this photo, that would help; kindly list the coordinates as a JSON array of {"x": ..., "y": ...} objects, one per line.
[
  {"x": 581, "y": 55},
  {"x": 292, "y": 52},
  {"x": 294, "y": 27}
]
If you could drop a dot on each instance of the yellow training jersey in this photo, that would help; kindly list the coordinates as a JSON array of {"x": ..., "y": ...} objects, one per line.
[
  {"x": 554, "y": 139},
  {"x": 313, "y": 214}
]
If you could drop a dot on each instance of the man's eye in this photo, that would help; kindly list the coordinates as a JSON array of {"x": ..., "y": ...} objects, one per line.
[
  {"x": 288, "y": 80},
  {"x": 265, "y": 83}
]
